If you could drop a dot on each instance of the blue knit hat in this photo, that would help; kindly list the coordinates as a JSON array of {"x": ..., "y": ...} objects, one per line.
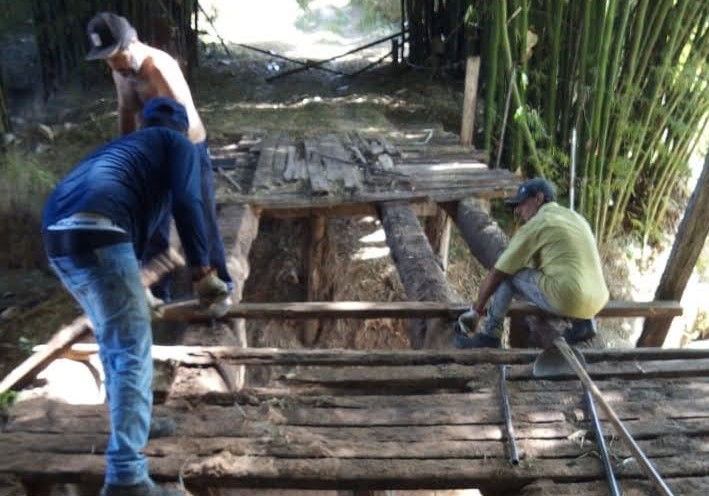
[{"x": 166, "y": 112}]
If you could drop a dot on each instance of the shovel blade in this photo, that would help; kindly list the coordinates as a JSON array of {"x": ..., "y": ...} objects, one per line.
[{"x": 552, "y": 363}]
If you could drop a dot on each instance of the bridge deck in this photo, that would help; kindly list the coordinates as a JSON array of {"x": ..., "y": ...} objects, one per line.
[{"x": 359, "y": 423}]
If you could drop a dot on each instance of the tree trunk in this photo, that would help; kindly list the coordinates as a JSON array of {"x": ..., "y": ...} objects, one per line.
[
  {"x": 420, "y": 273},
  {"x": 480, "y": 231},
  {"x": 239, "y": 226}
]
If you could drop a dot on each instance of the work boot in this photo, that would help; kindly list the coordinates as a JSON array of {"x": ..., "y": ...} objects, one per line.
[
  {"x": 580, "y": 330},
  {"x": 161, "y": 427},
  {"x": 147, "y": 488},
  {"x": 478, "y": 340},
  {"x": 467, "y": 322}
]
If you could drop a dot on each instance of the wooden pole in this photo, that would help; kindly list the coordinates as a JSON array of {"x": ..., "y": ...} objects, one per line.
[
  {"x": 472, "y": 70},
  {"x": 690, "y": 239},
  {"x": 316, "y": 252},
  {"x": 438, "y": 232}
]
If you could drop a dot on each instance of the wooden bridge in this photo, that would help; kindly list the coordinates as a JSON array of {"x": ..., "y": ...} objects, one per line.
[{"x": 368, "y": 420}]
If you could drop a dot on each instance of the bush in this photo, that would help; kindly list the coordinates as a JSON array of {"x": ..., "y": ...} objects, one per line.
[{"x": 23, "y": 190}]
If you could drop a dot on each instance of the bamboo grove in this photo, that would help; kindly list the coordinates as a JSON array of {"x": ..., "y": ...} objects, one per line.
[
  {"x": 615, "y": 88},
  {"x": 627, "y": 79}
]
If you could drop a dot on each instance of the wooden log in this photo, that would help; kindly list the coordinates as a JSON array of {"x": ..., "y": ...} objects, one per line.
[
  {"x": 207, "y": 355},
  {"x": 467, "y": 125},
  {"x": 226, "y": 469},
  {"x": 89, "y": 424},
  {"x": 420, "y": 273},
  {"x": 62, "y": 340},
  {"x": 454, "y": 376},
  {"x": 688, "y": 244},
  {"x": 239, "y": 228},
  {"x": 189, "y": 310},
  {"x": 484, "y": 237},
  {"x": 304, "y": 448}
]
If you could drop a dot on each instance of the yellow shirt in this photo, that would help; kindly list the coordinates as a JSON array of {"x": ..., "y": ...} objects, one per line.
[{"x": 560, "y": 244}]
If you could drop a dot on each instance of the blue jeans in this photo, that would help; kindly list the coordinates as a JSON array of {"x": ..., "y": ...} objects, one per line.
[
  {"x": 160, "y": 240},
  {"x": 524, "y": 283},
  {"x": 106, "y": 283}
]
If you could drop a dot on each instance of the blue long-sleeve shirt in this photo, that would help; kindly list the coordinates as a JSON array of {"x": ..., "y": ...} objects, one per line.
[{"x": 133, "y": 181}]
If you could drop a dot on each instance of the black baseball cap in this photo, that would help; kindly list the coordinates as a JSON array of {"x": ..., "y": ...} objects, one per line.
[
  {"x": 529, "y": 189},
  {"x": 108, "y": 34},
  {"x": 165, "y": 112}
]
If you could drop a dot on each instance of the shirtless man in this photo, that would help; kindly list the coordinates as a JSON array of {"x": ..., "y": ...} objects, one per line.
[{"x": 140, "y": 73}]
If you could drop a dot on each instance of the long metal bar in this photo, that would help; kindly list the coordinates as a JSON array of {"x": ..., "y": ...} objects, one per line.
[
  {"x": 638, "y": 454},
  {"x": 506, "y": 411},
  {"x": 613, "y": 487}
]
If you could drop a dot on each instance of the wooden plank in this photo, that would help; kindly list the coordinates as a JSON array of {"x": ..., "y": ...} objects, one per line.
[
  {"x": 319, "y": 184},
  {"x": 263, "y": 175},
  {"x": 189, "y": 310},
  {"x": 280, "y": 159},
  {"x": 472, "y": 70}
]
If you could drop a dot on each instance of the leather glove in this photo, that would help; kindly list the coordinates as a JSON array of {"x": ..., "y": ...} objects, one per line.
[
  {"x": 468, "y": 322},
  {"x": 213, "y": 294}
]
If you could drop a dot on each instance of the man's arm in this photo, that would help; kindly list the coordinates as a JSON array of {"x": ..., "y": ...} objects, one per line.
[
  {"x": 127, "y": 109},
  {"x": 493, "y": 279}
]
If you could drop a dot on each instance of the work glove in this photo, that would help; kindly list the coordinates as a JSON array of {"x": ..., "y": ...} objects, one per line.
[
  {"x": 468, "y": 322},
  {"x": 213, "y": 294}
]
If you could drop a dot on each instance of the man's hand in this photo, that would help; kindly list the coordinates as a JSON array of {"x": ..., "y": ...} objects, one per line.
[
  {"x": 212, "y": 293},
  {"x": 468, "y": 322},
  {"x": 154, "y": 303}
]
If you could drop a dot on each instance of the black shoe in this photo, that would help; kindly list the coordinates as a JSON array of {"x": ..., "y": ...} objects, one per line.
[
  {"x": 580, "y": 330},
  {"x": 477, "y": 340},
  {"x": 147, "y": 488},
  {"x": 161, "y": 427}
]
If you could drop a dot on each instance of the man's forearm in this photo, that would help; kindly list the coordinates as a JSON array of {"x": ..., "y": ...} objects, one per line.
[{"x": 491, "y": 282}]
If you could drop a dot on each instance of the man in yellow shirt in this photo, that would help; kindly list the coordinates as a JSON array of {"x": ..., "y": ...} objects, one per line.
[{"x": 552, "y": 261}]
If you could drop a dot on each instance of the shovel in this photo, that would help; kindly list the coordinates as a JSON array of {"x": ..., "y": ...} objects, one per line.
[{"x": 549, "y": 365}]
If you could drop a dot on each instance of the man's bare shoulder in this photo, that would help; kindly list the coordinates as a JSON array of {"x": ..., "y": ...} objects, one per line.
[{"x": 162, "y": 59}]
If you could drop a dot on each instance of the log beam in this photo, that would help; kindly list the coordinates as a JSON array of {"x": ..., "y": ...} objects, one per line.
[
  {"x": 688, "y": 244},
  {"x": 421, "y": 275}
]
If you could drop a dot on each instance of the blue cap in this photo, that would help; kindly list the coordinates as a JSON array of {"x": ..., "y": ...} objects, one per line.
[
  {"x": 163, "y": 111},
  {"x": 530, "y": 188}
]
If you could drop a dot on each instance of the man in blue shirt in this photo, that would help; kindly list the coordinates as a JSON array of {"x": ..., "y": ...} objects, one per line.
[{"x": 96, "y": 225}]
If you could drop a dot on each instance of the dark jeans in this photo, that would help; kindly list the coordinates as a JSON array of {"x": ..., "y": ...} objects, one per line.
[{"x": 160, "y": 241}]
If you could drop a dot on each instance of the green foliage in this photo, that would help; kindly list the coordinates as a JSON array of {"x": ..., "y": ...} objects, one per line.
[
  {"x": 629, "y": 77},
  {"x": 357, "y": 15},
  {"x": 7, "y": 399}
]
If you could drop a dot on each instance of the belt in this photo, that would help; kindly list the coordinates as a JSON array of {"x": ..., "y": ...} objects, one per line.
[{"x": 86, "y": 220}]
